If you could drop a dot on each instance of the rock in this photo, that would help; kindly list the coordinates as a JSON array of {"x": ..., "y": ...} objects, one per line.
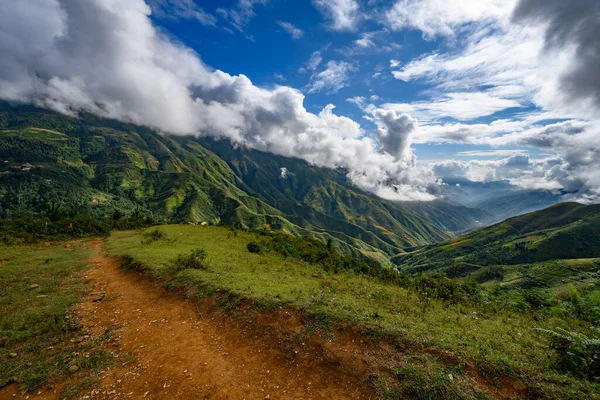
[
  {"x": 98, "y": 297},
  {"x": 34, "y": 286},
  {"x": 73, "y": 368},
  {"x": 13, "y": 355},
  {"x": 267, "y": 397}
]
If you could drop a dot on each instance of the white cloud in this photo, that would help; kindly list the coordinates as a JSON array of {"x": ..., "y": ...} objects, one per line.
[
  {"x": 295, "y": 33},
  {"x": 573, "y": 167},
  {"x": 334, "y": 77},
  {"x": 394, "y": 133},
  {"x": 460, "y": 106},
  {"x": 394, "y": 63},
  {"x": 343, "y": 14},
  {"x": 359, "y": 101},
  {"x": 511, "y": 62},
  {"x": 242, "y": 14},
  {"x": 366, "y": 40},
  {"x": 181, "y": 9},
  {"x": 107, "y": 58},
  {"x": 315, "y": 60},
  {"x": 445, "y": 17},
  {"x": 491, "y": 153},
  {"x": 504, "y": 61}
]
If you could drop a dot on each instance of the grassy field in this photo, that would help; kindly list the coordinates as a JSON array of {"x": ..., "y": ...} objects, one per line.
[
  {"x": 499, "y": 341},
  {"x": 40, "y": 340}
]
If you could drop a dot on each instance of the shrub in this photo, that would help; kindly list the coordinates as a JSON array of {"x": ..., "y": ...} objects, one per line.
[
  {"x": 153, "y": 236},
  {"x": 253, "y": 247},
  {"x": 193, "y": 260},
  {"x": 578, "y": 354}
]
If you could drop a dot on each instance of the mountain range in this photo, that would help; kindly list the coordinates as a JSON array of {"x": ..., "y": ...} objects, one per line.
[{"x": 105, "y": 165}]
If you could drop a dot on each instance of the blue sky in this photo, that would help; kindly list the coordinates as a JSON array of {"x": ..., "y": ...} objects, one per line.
[
  {"x": 262, "y": 49},
  {"x": 402, "y": 94}
]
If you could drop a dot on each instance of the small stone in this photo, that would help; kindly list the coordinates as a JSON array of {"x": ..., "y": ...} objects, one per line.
[
  {"x": 98, "y": 297},
  {"x": 267, "y": 397},
  {"x": 13, "y": 355},
  {"x": 34, "y": 286},
  {"x": 73, "y": 368}
]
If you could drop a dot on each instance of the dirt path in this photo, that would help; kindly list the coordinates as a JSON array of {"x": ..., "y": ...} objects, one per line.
[{"x": 164, "y": 351}]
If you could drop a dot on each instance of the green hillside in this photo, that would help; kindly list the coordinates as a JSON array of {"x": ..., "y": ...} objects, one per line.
[
  {"x": 559, "y": 244},
  {"x": 105, "y": 166},
  {"x": 442, "y": 328}
]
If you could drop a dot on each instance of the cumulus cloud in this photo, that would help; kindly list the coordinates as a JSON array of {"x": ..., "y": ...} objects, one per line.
[
  {"x": 552, "y": 173},
  {"x": 294, "y": 32},
  {"x": 106, "y": 57},
  {"x": 342, "y": 14},
  {"x": 575, "y": 24},
  {"x": 394, "y": 133}
]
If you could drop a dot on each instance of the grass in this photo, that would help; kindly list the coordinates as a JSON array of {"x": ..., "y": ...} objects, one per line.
[
  {"x": 500, "y": 342},
  {"x": 40, "y": 338}
]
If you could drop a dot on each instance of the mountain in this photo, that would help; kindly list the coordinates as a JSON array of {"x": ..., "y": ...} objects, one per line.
[
  {"x": 566, "y": 232},
  {"x": 518, "y": 202},
  {"x": 498, "y": 198},
  {"x": 104, "y": 166}
]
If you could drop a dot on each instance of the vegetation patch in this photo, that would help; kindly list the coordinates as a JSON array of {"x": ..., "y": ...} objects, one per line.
[
  {"x": 494, "y": 328},
  {"x": 196, "y": 259},
  {"x": 41, "y": 340}
]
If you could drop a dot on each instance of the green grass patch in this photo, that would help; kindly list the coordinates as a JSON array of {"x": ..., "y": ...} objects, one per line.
[
  {"x": 40, "y": 338},
  {"x": 501, "y": 341}
]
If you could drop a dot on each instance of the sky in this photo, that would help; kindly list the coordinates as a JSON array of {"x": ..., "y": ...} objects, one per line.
[{"x": 405, "y": 95}]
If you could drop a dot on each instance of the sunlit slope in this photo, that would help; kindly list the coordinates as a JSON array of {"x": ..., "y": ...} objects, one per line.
[{"x": 567, "y": 231}]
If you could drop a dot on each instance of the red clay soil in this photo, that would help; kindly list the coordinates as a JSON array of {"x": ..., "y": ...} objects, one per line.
[{"x": 165, "y": 350}]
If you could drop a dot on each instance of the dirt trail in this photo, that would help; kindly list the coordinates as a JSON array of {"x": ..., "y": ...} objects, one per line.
[{"x": 165, "y": 351}]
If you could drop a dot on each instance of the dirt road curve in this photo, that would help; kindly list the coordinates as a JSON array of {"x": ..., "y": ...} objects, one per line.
[{"x": 165, "y": 351}]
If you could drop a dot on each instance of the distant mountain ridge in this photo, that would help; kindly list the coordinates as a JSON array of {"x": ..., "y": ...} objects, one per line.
[
  {"x": 105, "y": 165},
  {"x": 561, "y": 232},
  {"x": 499, "y": 198}
]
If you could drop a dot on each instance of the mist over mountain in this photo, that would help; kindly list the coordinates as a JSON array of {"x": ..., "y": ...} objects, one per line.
[{"x": 106, "y": 165}]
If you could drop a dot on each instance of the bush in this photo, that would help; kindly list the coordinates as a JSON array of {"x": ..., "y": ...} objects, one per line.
[
  {"x": 578, "y": 354},
  {"x": 253, "y": 247},
  {"x": 193, "y": 260},
  {"x": 153, "y": 236}
]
